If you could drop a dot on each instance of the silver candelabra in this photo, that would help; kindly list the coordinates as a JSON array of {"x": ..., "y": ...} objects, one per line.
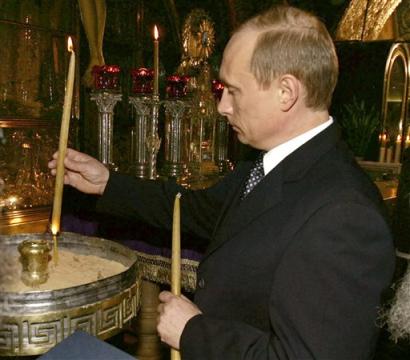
[
  {"x": 147, "y": 141},
  {"x": 106, "y": 101},
  {"x": 175, "y": 159},
  {"x": 141, "y": 154}
]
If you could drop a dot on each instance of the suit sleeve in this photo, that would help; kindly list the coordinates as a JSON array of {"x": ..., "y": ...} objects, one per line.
[
  {"x": 152, "y": 202},
  {"x": 324, "y": 298}
]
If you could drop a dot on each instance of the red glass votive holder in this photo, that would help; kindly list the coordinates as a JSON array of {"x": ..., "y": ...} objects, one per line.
[
  {"x": 142, "y": 81},
  {"x": 177, "y": 86},
  {"x": 217, "y": 89},
  {"x": 106, "y": 77}
]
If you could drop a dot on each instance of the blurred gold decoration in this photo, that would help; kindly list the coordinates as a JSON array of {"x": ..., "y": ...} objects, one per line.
[
  {"x": 198, "y": 36},
  {"x": 25, "y": 181},
  {"x": 364, "y": 19},
  {"x": 93, "y": 15}
]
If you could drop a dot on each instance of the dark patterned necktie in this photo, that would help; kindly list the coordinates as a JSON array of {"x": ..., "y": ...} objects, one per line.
[{"x": 255, "y": 175}]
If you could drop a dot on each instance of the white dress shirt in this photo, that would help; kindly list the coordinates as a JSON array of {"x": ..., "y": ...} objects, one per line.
[{"x": 273, "y": 157}]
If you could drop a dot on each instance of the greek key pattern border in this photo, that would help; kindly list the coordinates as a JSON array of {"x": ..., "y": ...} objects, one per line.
[{"x": 36, "y": 334}]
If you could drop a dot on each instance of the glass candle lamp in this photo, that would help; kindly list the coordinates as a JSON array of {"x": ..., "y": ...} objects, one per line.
[
  {"x": 142, "y": 81},
  {"x": 217, "y": 89},
  {"x": 177, "y": 86},
  {"x": 106, "y": 77},
  {"x": 145, "y": 139}
]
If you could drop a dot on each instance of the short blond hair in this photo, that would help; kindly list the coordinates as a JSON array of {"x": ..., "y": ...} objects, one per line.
[{"x": 292, "y": 41}]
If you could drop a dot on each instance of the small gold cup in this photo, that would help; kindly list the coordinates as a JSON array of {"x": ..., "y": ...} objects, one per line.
[{"x": 34, "y": 256}]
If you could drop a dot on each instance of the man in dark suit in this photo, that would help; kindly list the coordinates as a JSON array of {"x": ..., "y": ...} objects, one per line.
[{"x": 295, "y": 267}]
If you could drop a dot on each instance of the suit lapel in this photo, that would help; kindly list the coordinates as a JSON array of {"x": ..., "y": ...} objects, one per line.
[
  {"x": 232, "y": 197},
  {"x": 240, "y": 213},
  {"x": 237, "y": 215}
]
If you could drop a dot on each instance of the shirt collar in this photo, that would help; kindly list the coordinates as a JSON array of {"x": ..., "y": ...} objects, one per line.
[{"x": 274, "y": 156}]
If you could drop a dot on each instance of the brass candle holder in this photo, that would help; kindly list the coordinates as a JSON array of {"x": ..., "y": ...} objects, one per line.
[{"x": 34, "y": 256}]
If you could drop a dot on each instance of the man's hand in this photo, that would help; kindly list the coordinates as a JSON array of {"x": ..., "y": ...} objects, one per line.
[
  {"x": 174, "y": 313},
  {"x": 82, "y": 172}
]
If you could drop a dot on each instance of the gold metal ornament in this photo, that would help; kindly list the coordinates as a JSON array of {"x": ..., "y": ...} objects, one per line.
[
  {"x": 364, "y": 19},
  {"x": 198, "y": 36}
]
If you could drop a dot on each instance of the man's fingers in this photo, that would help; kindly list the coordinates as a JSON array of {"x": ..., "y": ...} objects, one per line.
[
  {"x": 160, "y": 308},
  {"x": 73, "y": 154},
  {"x": 76, "y": 180},
  {"x": 52, "y": 164},
  {"x": 75, "y": 165},
  {"x": 165, "y": 296},
  {"x": 77, "y": 156}
]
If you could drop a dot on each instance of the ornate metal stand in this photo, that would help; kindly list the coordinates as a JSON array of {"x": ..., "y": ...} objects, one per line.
[
  {"x": 106, "y": 102},
  {"x": 153, "y": 141},
  {"x": 141, "y": 155},
  {"x": 221, "y": 148},
  {"x": 147, "y": 141},
  {"x": 175, "y": 165}
]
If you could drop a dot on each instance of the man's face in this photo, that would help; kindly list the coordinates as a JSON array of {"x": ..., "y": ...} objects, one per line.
[{"x": 252, "y": 111}]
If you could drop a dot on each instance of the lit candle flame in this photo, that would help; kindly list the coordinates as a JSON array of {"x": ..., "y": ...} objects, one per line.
[
  {"x": 70, "y": 44},
  {"x": 156, "y": 34},
  {"x": 54, "y": 229},
  {"x": 13, "y": 200},
  {"x": 156, "y": 62}
]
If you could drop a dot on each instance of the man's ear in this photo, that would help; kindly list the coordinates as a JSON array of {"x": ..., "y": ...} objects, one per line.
[{"x": 289, "y": 91}]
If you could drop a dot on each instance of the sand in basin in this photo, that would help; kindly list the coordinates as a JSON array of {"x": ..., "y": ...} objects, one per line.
[{"x": 72, "y": 270}]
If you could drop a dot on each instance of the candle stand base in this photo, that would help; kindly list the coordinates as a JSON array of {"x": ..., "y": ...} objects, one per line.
[
  {"x": 112, "y": 167},
  {"x": 174, "y": 170},
  {"x": 139, "y": 171},
  {"x": 224, "y": 166}
]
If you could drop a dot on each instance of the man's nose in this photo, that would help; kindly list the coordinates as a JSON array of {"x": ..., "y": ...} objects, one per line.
[{"x": 225, "y": 104}]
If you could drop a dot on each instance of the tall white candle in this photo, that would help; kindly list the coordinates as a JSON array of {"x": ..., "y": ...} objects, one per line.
[
  {"x": 176, "y": 259},
  {"x": 62, "y": 148},
  {"x": 156, "y": 60},
  {"x": 176, "y": 248},
  {"x": 389, "y": 154},
  {"x": 382, "y": 150},
  {"x": 382, "y": 153},
  {"x": 407, "y": 143},
  {"x": 397, "y": 150}
]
